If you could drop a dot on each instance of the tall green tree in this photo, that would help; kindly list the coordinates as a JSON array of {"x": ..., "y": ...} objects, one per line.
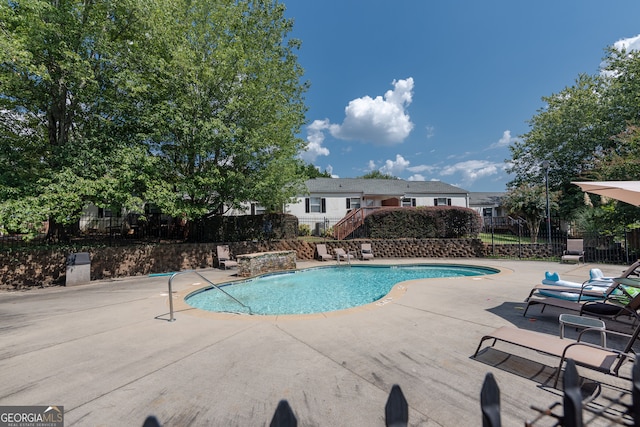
[
  {"x": 530, "y": 202},
  {"x": 190, "y": 105},
  {"x": 63, "y": 111},
  {"x": 567, "y": 132},
  {"x": 231, "y": 104},
  {"x": 584, "y": 131}
]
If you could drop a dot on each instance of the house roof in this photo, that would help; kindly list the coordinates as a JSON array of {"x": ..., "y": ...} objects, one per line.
[
  {"x": 485, "y": 199},
  {"x": 381, "y": 186}
]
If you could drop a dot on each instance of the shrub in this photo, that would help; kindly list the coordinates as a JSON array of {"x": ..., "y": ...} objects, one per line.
[
  {"x": 248, "y": 227},
  {"x": 304, "y": 230},
  {"x": 423, "y": 222}
]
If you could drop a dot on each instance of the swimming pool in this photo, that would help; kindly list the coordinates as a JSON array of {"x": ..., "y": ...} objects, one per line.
[{"x": 319, "y": 289}]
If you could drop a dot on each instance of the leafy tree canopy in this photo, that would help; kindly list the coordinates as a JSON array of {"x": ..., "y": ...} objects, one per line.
[
  {"x": 311, "y": 171},
  {"x": 229, "y": 103},
  {"x": 586, "y": 131},
  {"x": 376, "y": 174},
  {"x": 191, "y": 106}
]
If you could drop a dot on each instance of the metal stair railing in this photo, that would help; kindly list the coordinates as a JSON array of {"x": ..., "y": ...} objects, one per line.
[
  {"x": 351, "y": 222},
  {"x": 172, "y": 319}
]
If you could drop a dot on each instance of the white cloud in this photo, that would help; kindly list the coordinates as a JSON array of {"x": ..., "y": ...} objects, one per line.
[
  {"x": 421, "y": 168},
  {"x": 505, "y": 141},
  {"x": 472, "y": 170},
  {"x": 431, "y": 131},
  {"x": 396, "y": 167},
  {"x": 631, "y": 43},
  {"x": 371, "y": 166},
  {"x": 628, "y": 44},
  {"x": 379, "y": 120},
  {"x": 416, "y": 177},
  {"x": 315, "y": 138}
]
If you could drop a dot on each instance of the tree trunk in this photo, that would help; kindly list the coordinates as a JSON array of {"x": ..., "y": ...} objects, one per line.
[
  {"x": 534, "y": 228},
  {"x": 57, "y": 232}
]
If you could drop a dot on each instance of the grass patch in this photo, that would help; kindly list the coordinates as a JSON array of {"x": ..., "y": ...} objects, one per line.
[{"x": 508, "y": 239}]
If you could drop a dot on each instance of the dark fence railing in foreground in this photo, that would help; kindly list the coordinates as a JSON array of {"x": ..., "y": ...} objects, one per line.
[{"x": 570, "y": 412}]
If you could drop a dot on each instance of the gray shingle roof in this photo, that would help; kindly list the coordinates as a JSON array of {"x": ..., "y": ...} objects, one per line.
[
  {"x": 485, "y": 199},
  {"x": 381, "y": 186}
]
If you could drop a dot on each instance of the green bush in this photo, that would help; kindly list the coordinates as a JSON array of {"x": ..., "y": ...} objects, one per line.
[
  {"x": 247, "y": 227},
  {"x": 328, "y": 232},
  {"x": 423, "y": 223},
  {"x": 304, "y": 230}
]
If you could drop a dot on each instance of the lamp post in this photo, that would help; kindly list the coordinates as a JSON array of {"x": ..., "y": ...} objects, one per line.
[{"x": 545, "y": 166}]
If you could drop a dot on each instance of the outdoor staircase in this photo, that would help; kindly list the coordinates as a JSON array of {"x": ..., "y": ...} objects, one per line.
[{"x": 351, "y": 222}]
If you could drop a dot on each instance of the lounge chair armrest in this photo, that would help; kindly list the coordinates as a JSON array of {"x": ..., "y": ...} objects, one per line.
[
  {"x": 620, "y": 303},
  {"x": 613, "y": 367},
  {"x": 621, "y": 354},
  {"x": 599, "y": 331}
]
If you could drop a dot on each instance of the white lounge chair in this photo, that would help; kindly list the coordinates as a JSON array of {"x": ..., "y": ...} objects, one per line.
[
  {"x": 321, "y": 251},
  {"x": 365, "y": 251},
  {"x": 342, "y": 255}
]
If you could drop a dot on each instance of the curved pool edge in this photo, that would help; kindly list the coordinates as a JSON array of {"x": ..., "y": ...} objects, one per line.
[{"x": 396, "y": 292}]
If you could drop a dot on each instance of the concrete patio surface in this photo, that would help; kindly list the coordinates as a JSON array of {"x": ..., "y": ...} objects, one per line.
[{"x": 106, "y": 352}]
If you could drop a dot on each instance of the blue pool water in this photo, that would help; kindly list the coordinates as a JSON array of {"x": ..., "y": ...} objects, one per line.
[{"x": 318, "y": 290}]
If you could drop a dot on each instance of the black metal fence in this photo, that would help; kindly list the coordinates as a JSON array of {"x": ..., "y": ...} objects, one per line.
[
  {"x": 598, "y": 247},
  {"x": 571, "y": 411},
  {"x": 504, "y": 237}
]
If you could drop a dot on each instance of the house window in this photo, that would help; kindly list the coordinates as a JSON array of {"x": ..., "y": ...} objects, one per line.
[
  {"x": 257, "y": 209},
  {"x": 315, "y": 204},
  {"x": 441, "y": 201},
  {"x": 353, "y": 203},
  {"x": 104, "y": 213},
  {"x": 408, "y": 202},
  {"x": 487, "y": 211}
]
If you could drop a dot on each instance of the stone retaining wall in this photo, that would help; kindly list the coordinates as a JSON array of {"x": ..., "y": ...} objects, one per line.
[
  {"x": 20, "y": 270},
  {"x": 265, "y": 262}
]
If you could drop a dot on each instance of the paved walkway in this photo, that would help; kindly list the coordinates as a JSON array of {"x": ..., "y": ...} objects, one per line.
[{"x": 106, "y": 352}]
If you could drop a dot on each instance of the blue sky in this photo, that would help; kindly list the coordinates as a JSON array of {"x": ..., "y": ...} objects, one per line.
[{"x": 437, "y": 90}]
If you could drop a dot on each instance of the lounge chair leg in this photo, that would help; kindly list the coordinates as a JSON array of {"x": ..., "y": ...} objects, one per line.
[
  {"x": 558, "y": 371},
  {"x": 480, "y": 344}
]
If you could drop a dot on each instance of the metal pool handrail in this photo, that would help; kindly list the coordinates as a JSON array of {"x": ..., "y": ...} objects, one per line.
[{"x": 171, "y": 318}]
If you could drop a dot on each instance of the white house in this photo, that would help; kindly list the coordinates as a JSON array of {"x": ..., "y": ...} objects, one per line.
[
  {"x": 331, "y": 199},
  {"x": 488, "y": 204}
]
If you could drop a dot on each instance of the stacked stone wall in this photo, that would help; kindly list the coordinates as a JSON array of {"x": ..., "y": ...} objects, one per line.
[
  {"x": 265, "y": 262},
  {"x": 20, "y": 270}
]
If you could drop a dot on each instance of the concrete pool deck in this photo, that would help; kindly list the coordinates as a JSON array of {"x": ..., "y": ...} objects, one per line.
[{"x": 106, "y": 352}]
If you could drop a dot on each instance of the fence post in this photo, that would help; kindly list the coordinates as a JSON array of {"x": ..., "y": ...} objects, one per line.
[
  {"x": 519, "y": 239},
  {"x": 493, "y": 243},
  {"x": 626, "y": 246},
  {"x": 490, "y": 402},
  {"x": 635, "y": 393},
  {"x": 284, "y": 416},
  {"x": 572, "y": 401},
  {"x": 396, "y": 410}
]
